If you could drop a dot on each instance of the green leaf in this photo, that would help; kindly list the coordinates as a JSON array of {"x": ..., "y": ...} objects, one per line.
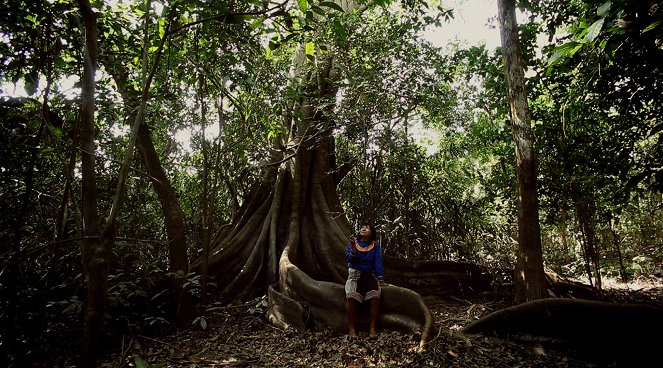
[
  {"x": 303, "y": 5},
  {"x": 652, "y": 26},
  {"x": 32, "y": 18},
  {"x": 236, "y": 19},
  {"x": 310, "y": 48},
  {"x": 71, "y": 308},
  {"x": 56, "y": 131},
  {"x": 274, "y": 44},
  {"x": 318, "y": 10},
  {"x": 340, "y": 29},
  {"x": 575, "y": 49},
  {"x": 603, "y": 10},
  {"x": 562, "y": 51},
  {"x": 594, "y": 30},
  {"x": 140, "y": 362},
  {"x": 257, "y": 23},
  {"x": 332, "y": 5},
  {"x": 30, "y": 87}
]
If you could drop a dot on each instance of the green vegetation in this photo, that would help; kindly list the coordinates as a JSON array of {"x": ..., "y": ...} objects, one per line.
[{"x": 223, "y": 87}]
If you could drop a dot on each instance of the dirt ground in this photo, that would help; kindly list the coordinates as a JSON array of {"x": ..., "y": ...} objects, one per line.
[{"x": 238, "y": 336}]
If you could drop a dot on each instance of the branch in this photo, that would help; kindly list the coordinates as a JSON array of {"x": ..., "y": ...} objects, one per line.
[
  {"x": 223, "y": 17},
  {"x": 122, "y": 176},
  {"x": 133, "y": 168}
]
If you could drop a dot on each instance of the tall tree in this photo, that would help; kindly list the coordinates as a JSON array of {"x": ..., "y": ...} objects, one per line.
[
  {"x": 94, "y": 255},
  {"x": 116, "y": 64},
  {"x": 599, "y": 98},
  {"x": 291, "y": 233},
  {"x": 529, "y": 274},
  {"x": 98, "y": 243}
]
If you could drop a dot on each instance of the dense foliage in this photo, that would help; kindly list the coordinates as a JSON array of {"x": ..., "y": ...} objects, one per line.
[{"x": 423, "y": 142}]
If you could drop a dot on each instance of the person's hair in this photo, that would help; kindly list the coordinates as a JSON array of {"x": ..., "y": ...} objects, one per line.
[{"x": 374, "y": 234}]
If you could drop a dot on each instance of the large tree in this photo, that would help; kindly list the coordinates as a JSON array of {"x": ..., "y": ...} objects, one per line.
[
  {"x": 529, "y": 274},
  {"x": 290, "y": 235}
]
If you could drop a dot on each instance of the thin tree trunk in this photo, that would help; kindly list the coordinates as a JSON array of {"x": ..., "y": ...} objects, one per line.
[
  {"x": 586, "y": 218},
  {"x": 67, "y": 192},
  {"x": 564, "y": 233},
  {"x": 205, "y": 193},
  {"x": 529, "y": 275},
  {"x": 173, "y": 215},
  {"x": 178, "y": 263},
  {"x": 12, "y": 274},
  {"x": 96, "y": 249},
  {"x": 93, "y": 255},
  {"x": 614, "y": 222},
  {"x": 585, "y": 253}
]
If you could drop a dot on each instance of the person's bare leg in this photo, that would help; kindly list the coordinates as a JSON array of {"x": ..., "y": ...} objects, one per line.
[
  {"x": 351, "y": 307},
  {"x": 375, "y": 312}
]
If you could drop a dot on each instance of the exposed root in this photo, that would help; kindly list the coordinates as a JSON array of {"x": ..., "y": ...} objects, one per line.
[
  {"x": 401, "y": 309},
  {"x": 621, "y": 332}
]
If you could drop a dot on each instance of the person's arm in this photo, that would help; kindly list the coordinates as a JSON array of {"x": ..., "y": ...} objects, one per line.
[
  {"x": 351, "y": 251},
  {"x": 378, "y": 263}
]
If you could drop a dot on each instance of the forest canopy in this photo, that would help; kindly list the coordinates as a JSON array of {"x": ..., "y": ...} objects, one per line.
[{"x": 163, "y": 157}]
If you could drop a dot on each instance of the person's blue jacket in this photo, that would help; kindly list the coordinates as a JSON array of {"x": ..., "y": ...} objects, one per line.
[{"x": 368, "y": 258}]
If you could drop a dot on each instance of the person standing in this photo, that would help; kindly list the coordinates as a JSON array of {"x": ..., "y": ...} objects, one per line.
[{"x": 365, "y": 276}]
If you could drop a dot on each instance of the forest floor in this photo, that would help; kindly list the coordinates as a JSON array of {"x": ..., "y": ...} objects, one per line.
[{"x": 239, "y": 336}]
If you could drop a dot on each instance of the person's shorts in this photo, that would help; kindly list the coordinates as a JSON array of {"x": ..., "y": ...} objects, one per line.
[{"x": 362, "y": 285}]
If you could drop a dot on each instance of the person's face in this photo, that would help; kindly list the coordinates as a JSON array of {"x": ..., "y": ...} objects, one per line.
[{"x": 365, "y": 231}]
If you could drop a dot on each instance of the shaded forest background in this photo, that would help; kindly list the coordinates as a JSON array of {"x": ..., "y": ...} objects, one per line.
[{"x": 422, "y": 145}]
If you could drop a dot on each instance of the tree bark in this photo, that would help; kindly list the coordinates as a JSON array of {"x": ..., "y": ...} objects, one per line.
[
  {"x": 529, "y": 275},
  {"x": 178, "y": 261},
  {"x": 97, "y": 245},
  {"x": 174, "y": 221},
  {"x": 68, "y": 191},
  {"x": 616, "y": 241},
  {"x": 173, "y": 214},
  {"x": 94, "y": 256},
  {"x": 586, "y": 217},
  {"x": 206, "y": 211},
  {"x": 563, "y": 233},
  {"x": 291, "y": 233}
]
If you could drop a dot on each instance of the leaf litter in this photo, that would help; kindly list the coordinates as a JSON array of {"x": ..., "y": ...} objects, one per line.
[{"x": 237, "y": 337}]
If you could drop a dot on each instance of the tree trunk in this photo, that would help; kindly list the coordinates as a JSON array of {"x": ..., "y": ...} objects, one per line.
[
  {"x": 586, "y": 217},
  {"x": 174, "y": 220},
  {"x": 205, "y": 218},
  {"x": 563, "y": 233},
  {"x": 291, "y": 233},
  {"x": 96, "y": 246},
  {"x": 173, "y": 215},
  {"x": 529, "y": 275},
  {"x": 616, "y": 241},
  {"x": 67, "y": 192},
  {"x": 178, "y": 261},
  {"x": 94, "y": 257}
]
